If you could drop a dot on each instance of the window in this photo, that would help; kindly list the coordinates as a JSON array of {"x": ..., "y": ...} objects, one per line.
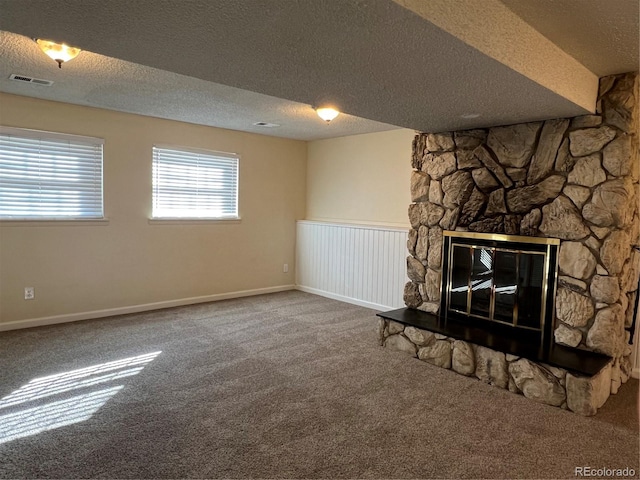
[
  {"x": 190, "y": 183},
  {"x": 49, "y": 176}
]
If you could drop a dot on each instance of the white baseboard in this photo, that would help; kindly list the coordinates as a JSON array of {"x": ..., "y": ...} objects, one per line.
[
  {"x": 74, "y": 317},
  {"x": 635, "y": 373},
  {"x": 342, "y": 298}
]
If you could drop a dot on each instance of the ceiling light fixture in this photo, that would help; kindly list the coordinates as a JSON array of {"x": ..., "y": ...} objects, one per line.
[
  {"x": 59, "y": 52},
  {"x": 327, "y": 113}
]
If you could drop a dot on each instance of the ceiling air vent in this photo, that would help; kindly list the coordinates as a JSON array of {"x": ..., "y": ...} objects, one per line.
[{"x": 25, "y": 79}]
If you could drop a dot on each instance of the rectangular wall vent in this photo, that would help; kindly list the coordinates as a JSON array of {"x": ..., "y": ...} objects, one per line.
[{"x": 25, "y": 79}]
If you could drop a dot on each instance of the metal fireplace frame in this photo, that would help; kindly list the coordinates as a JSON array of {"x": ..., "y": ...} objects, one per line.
[{"x": 514, "y": 244}]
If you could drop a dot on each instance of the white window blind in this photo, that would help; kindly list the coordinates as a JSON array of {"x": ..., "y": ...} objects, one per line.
[
  {"x": 190, "y": 183},
  {"x": 47, "y": 175}
]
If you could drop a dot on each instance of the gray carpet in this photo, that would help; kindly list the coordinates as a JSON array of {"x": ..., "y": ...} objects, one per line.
[{"x": 288, "y": 385}]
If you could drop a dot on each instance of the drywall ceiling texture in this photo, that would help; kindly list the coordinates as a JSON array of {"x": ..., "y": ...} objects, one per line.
[
  {"x": 98, "y": 81},
  {"x": 613, "y": 49},
  {"x": 493, "y": 29},
  {"x": 372, "y": 58}
]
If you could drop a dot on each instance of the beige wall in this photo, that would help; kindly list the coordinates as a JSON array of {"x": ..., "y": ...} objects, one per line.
[
  {"x": 360, "y": 178},
  {"x": 82, "y": 268}
]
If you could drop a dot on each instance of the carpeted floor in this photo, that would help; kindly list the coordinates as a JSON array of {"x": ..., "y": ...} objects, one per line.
[{"x": 288, "y": 385}]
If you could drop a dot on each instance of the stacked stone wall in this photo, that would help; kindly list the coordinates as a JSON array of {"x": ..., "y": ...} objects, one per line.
[
  {"x": 573, "y": 179},
  {"x": 536, "y": 381}
]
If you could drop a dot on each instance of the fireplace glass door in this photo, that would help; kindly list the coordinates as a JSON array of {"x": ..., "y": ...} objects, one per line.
[
  {"x": 498, "y": 284},
  {"x": 499, "y": 278}
]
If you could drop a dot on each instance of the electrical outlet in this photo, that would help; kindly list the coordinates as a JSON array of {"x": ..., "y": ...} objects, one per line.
[
  {"x": 285, "y": 268},
  {"x": 29, "y": 293}
]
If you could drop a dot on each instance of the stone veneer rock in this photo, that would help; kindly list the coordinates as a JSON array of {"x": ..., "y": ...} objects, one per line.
[
  {"x": 572, "y": 179},
  {"x": 542, "y": 383}
]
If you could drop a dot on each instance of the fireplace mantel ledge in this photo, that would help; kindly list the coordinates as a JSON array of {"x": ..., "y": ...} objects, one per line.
[{"x": 581, "y": 362}]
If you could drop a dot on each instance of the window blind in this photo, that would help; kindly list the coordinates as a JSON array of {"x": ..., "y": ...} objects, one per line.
[
  {"x": 47, "y": 175},
  {"x": 191, "y": 183}
]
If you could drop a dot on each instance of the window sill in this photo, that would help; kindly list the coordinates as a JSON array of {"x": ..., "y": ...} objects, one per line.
[
  {"x": 193, "y": 221},
  {"x": 51, "y": 222}
]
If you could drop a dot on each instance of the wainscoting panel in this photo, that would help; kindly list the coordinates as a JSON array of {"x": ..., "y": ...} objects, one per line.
[{"x": 364, "y": 265}]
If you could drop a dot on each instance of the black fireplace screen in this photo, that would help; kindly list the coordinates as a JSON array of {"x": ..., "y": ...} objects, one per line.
[{"x": 506, "y": 279}]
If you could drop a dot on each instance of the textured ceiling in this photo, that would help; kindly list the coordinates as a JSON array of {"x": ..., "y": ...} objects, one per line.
[
  {"x": 601, "y": 34},
  {"x": 232, "y": 61},
  {"x": 104, "y": 82}
]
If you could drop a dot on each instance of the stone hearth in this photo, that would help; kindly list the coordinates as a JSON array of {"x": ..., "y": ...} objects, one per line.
[
  {"x": 572, "y": 179},
  {"x": 539, "y": 381}
]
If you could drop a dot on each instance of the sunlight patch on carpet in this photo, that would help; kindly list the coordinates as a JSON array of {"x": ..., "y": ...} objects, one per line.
[{"x": 35, "y": 416}]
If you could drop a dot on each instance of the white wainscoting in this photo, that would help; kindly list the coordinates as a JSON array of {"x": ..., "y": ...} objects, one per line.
[{"x": 360, "y": 264}]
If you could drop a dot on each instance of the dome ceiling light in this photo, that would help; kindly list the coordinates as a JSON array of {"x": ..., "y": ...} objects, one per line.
[
  {"x": 327, "y": 113},
  {"x": 59, "y": 52}
]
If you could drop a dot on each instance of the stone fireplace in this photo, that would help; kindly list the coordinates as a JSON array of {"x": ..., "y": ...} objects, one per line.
[{"x": 569, "y": 182}]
